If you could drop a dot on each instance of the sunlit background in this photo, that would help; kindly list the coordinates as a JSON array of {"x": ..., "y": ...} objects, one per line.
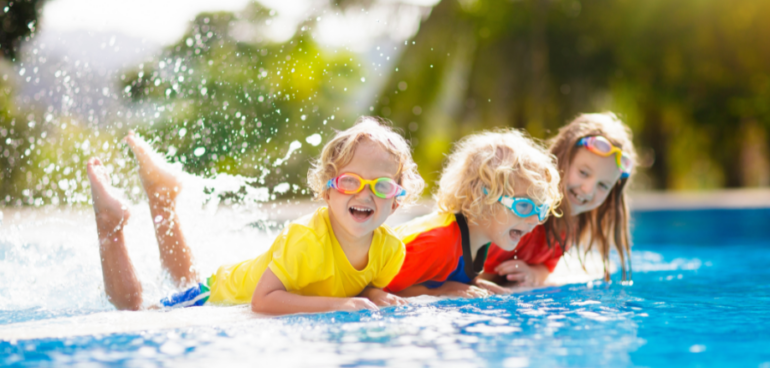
[
  {"x": 255, "y": 88},
  {"x": 243, "y": 94}
]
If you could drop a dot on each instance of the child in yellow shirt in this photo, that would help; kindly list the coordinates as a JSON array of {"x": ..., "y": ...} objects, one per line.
[{"x": 338, "y": 258}]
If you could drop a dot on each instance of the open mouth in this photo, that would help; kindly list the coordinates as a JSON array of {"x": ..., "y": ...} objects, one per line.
[
  {"x": 515, "y": 235},
  {"x": 360, "y": 213},
  {"x": 576, "y": 199}
]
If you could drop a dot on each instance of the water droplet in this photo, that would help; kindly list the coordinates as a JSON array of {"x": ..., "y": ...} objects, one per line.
[
  {"x": 315, "y": 139},
  {"x": 199, "y": 151},
  {"x": 363, "y": 79},
  {"x": 281, "y": 188}
]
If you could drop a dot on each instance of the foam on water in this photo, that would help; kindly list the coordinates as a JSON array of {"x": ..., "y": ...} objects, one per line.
[
  {"x": 49, "y": 259},
  {"x": 689, "y": 305},
  {"x": 463, "y": 332}
]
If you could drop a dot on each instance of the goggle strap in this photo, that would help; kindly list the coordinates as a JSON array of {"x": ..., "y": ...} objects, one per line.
[
  {"x": 624, "y": 171},
  {"x": 332, "y": 183}
]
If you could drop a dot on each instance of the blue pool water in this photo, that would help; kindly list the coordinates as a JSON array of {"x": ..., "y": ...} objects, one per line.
[{"x": 700, "y": 298}]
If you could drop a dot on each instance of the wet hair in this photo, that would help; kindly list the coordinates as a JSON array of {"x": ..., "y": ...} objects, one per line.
[
  {"x": 339, "y": 151},
  {"x": 495, "y": 160},
  {"x": 607, "y": 224}
]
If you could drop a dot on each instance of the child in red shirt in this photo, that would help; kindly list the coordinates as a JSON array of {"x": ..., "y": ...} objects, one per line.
[
  {"x": 596, "y": 159},
  {"x": 496, "y": 187}
]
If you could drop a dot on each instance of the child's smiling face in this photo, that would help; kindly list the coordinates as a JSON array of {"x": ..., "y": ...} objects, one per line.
[
  {"x": 590, "y": 179},
  {"x": 505, "y": 228},
  {"x": 354, "y": 216}
]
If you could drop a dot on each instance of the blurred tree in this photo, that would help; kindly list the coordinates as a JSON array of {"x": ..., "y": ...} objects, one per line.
[
  {"x": 17, "y": 133},
  {"x": 232, "y": 101},
  {"x": 688, "y": 76},
  {"x": 691, "y": 78},
  {"x": 18, "y": 18}
]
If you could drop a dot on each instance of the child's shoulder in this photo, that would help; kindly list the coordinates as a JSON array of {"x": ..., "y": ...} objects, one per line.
[
  {"x": 315, "y": 224},
  {"x": 386, "y": 231},
  {"x": 386, "y": 237},
  {"x": 420, "y": 225}
]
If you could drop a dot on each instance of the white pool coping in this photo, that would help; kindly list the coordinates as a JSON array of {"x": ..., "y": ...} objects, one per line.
[
  {"x": 692, "y": 200},
  {"x": 638, "y": 201},
  {"x": 289, "y": 210}
]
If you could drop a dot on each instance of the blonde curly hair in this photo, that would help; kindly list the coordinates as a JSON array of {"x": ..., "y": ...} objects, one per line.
[
  {"x": 496, "y": 160},
  {"x": 339, "y": 151}
]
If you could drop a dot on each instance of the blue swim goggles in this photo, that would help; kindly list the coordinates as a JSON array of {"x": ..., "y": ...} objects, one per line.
[{"x": 523, "y": 207}]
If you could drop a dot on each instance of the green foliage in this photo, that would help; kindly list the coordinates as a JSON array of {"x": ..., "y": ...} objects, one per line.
[
  {"x": 42, "y": 158},
  {"x": 232, "y": 103},
  {"x": 690, "y": 77},
  {"x": 18, "y": 18}
]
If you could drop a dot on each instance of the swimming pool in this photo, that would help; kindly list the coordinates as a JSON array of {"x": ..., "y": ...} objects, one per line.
[{"x": 700, "y": 298}]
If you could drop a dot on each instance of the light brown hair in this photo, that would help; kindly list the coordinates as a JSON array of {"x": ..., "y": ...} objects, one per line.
[{"x": 608, "y": 224}]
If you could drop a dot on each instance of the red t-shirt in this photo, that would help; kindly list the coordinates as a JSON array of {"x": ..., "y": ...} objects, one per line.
[
  {"x": 532, "y": 249},
  {"x": 433, "y": 250}
]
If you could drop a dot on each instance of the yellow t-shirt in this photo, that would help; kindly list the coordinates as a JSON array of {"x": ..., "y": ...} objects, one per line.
[{"x": 308, "y": 260}]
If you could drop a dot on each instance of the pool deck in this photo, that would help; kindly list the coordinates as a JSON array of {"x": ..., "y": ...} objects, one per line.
[
  {"x": 639, "y": 201},
  {"x": 289, "y": 210},
  {"x": 693, "y": 200}
]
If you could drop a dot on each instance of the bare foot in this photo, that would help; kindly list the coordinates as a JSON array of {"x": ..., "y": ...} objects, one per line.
[
  {"x": 120, "y": 282},
  {"x": 162, "y": 185},
  {"x": 111, "y": 213},
  {"x": 159, "y": 179}
]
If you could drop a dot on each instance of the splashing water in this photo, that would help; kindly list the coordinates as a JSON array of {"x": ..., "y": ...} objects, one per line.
[
  {"x": 222, "y": 102},
  {"x": 691, "y": 303}
]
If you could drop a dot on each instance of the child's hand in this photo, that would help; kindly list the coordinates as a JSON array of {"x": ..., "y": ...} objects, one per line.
[
  {"x": 382, "y": 298},
  {"x": 452, "y": 288},
  {"x": 521, "y": 274},
  {"x": 354, "y": 304},
  {"x": 491, "y": 286}
]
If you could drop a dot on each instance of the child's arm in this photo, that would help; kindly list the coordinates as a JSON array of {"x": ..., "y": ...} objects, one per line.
[
  {"x": 449, "y": 288},
  {"x": 484, "y": 281},
  {"x": 519, "y": 273},
  {"x": 381, "y": 297},
  {"x": 271, "y": 297}
]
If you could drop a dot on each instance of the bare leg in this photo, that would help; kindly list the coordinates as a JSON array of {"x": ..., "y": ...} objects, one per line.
[
  {"x": 162, "y": 186},
  {"x": 123, "y": 288}
]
